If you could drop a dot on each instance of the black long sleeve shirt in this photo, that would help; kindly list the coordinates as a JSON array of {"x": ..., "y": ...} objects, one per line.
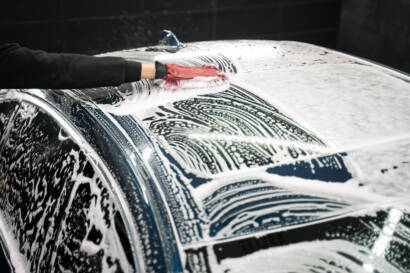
[{"x": 21, "y": 67}]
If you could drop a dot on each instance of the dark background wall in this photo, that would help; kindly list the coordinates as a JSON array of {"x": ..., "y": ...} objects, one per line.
[
  {"x": 375, "y": 29},
  {"x": 378, "y": 30},
  {"x": 94, "y": 26}
]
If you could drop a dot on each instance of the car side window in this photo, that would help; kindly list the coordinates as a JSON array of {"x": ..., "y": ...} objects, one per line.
[{"x": 60, "y": 211}]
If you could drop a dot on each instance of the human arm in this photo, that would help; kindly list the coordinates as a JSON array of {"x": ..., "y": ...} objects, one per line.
[
  {"x": 147, "y": 71},
  {"x": 21, "y": 67}
]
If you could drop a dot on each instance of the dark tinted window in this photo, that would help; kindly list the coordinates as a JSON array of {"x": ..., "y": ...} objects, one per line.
[{"x": 58, "y": 208}]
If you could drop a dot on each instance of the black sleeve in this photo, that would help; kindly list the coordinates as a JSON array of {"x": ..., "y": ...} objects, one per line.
[{"x": 21, "y": 67}]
